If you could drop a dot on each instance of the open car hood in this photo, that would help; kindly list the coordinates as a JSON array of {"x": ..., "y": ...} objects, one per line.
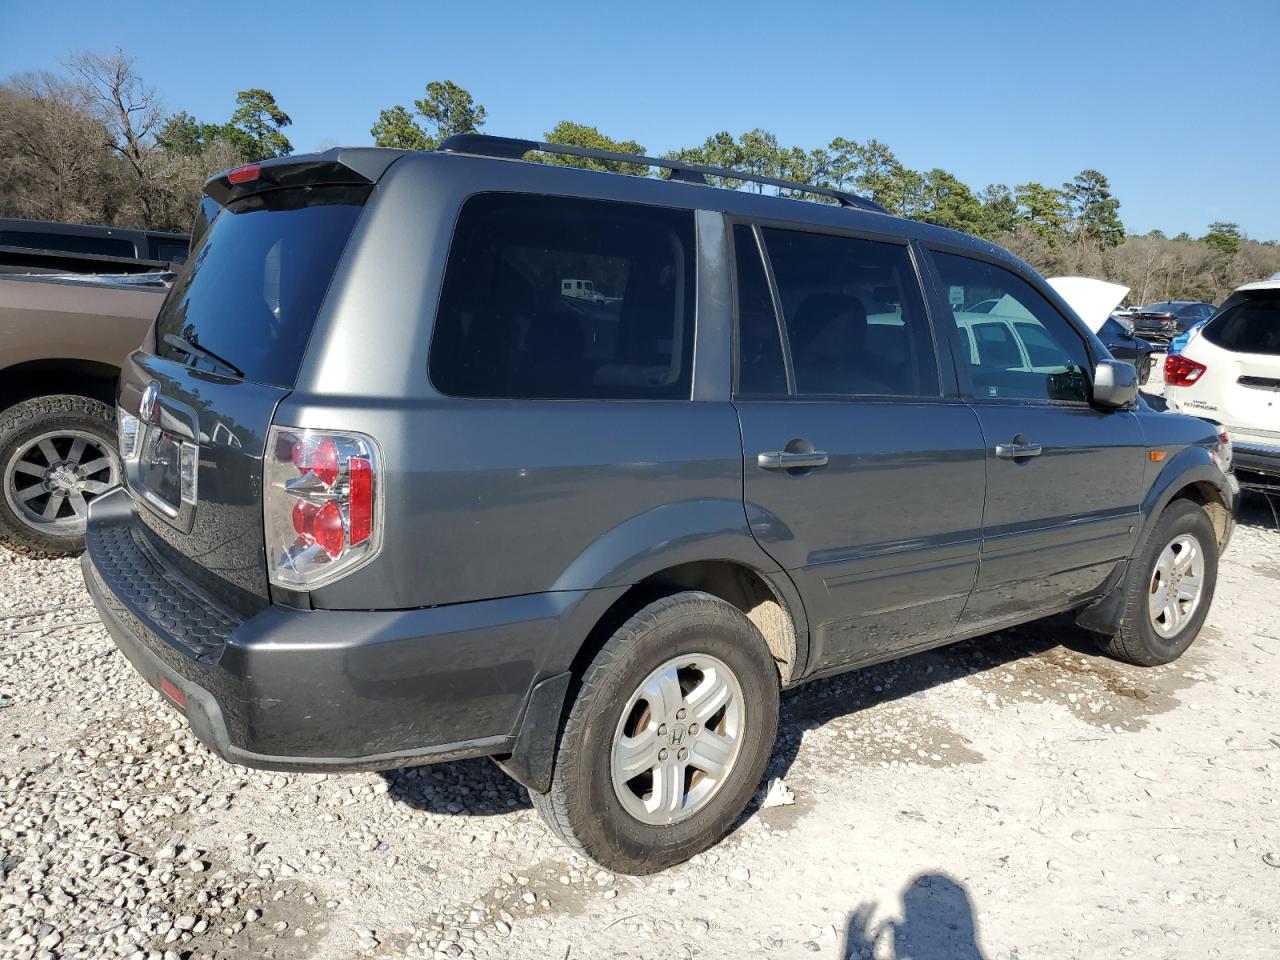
[{"x": 1093, "y": 300}]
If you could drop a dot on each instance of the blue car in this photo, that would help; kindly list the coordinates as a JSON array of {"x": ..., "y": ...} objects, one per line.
[{"x": 1179, "y": 343}]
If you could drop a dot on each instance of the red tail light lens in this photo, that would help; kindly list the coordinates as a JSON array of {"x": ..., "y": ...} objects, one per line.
[
  {"x": 361, "y": 499},
  {"x": 320, "y": 505},
  {"x": 1181, "y": 372},
  {"x": 319, "y": 456}
]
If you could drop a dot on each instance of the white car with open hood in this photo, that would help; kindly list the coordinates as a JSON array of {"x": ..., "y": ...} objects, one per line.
[{"x": 1230, "y": 374}]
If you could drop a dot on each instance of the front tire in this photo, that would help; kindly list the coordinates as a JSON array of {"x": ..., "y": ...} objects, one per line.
[
  {"x": 57, "y": 453},
  {"x": 1168, "y": 589},
  {"x": 666, "y": 736}
]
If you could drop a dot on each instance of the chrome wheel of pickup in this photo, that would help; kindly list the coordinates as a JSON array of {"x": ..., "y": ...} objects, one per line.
[
  {"x": 678, "y": 739},
  {"x": 53, "y": 477},
  {"x": 1176, "y": 585}
]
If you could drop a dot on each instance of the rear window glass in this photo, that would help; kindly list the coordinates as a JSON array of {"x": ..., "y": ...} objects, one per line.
[
  {"x": 169, "y": 251},
  {"x": 1252, "y": 326},
  {"x": 561, "y": 298},
  {"x": 67, "y": 243},
  {"x": 249, "y": 295}
]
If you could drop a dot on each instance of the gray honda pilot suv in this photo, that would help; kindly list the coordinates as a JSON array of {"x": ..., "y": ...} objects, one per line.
[{"x": 450, "y": 454}]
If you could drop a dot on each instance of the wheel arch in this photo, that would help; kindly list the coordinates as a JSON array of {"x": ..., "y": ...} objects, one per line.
[
  {"x": 58, "y": 375},
  {"x": 1192, "y": 475},
  {"x": 702, "y": 544}
]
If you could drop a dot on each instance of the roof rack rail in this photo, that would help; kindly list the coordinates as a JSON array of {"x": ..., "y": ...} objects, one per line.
[{"x": 512, "y": 148}]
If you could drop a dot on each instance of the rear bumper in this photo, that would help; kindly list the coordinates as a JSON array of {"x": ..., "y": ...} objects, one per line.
[
  {"x": 292, "y": 689},
  {"x": 1255, "y": 458}
]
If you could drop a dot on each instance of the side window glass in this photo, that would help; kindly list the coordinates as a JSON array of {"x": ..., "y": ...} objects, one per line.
[
  {"x": 761, "y": 371},
  {"x": 562, "y": 298},
  {"x": 854, "y": 315},
  {"x": 1020, "y": 346}
]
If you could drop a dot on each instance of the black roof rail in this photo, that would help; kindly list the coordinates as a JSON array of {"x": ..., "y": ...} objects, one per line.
[{"x": 512, "y": 148}]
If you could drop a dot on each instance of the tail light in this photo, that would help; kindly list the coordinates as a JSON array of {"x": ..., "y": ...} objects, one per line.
[
  {"x": 1181, "y": 372},
  {"x": 321, "y": 505},
  {"x": 129, "y": 432},
  {"x": 1223, "y": 455}
]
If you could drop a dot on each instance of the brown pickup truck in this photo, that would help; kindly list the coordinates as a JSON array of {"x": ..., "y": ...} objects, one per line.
[{"x": 62, "y": 341}]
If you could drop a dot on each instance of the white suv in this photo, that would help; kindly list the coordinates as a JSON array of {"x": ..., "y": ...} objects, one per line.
[{"x": 1230, "y": 373}]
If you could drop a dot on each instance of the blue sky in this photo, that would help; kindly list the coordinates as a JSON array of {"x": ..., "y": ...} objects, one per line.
[{"x": 1175, "y": 101}]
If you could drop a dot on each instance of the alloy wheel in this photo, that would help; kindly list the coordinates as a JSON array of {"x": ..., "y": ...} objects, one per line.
[
  {"x": 1176, "y": 585},
  {"x": 53, "y": 478},
  {"x": 678, "y": 739}
]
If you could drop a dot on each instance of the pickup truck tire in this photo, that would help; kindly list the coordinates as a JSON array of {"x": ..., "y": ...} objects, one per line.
[
  {"x": 1175, "y": 572},
  {"x": 57, "y": 453},
  {"x": 636, "y": 708}
]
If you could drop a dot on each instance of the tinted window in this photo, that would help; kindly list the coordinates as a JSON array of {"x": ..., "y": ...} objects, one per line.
[
  {"x": 509, "y": 326},
  {"x": 68, "y": 243},
  {"x": 760, "y": 366},
  {"x": 253, "y": 286},
  {"x": 1111, "y": 328},
  {"x": 1252, "y": 326},
  {"x": 1020, "y": 320},
  {"x": 169, "y": 251},
  {"x": 1163, "y": 306},
  {"x": 854, "y": 316}
]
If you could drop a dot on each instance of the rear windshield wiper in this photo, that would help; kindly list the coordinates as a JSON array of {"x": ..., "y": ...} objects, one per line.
[{"x": 194, "y": 349}]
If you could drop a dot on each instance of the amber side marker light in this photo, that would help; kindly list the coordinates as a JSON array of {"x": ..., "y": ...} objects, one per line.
[{"x": 1156, "y": 455}]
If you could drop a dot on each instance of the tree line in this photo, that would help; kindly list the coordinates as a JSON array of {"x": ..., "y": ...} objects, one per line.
[{"x": 94, "y": 144}]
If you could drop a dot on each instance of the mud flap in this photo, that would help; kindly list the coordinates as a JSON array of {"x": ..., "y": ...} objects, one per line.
[
  {"x": 1104, "y": 614},
  {"x": 531, "y": 762}
]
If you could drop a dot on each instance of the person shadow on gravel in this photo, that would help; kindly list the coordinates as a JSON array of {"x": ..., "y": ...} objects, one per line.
[{"x": 937, "y": 924}]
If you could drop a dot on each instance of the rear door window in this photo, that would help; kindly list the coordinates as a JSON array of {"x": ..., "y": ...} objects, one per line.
[
  {"x": 251, "y": 291},
  {"x": 1251, "y": 326},
  {"x": 854, "y": 316},
  {"x": 563, "y": 298}
]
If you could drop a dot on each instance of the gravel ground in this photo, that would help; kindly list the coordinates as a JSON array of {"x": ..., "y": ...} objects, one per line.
[{"x": 1012, "y": 797}]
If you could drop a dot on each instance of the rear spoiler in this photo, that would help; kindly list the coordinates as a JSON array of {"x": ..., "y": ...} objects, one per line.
[{"x": 352, "y": 166}]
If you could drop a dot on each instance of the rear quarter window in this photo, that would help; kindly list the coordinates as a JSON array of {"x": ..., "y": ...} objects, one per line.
[{"x": 564, "y": 298}]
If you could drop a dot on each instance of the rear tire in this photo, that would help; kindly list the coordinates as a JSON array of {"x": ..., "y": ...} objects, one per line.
[
  {"x": 1161, "y": 618},
  {"x": 57, "y": 453},
  {"x": 690, "y": 656}
]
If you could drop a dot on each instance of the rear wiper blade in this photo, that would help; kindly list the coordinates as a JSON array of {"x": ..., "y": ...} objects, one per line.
[{"x": 194, "y": 349}]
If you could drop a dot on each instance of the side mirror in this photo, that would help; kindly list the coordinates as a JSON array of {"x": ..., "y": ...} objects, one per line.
[{"x": 1115, "y": 384}]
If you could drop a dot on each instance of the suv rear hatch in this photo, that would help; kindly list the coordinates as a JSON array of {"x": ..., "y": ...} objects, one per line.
[
  {"x": 1249, "y": 330},
  {"x": 228, "y": 344}
]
